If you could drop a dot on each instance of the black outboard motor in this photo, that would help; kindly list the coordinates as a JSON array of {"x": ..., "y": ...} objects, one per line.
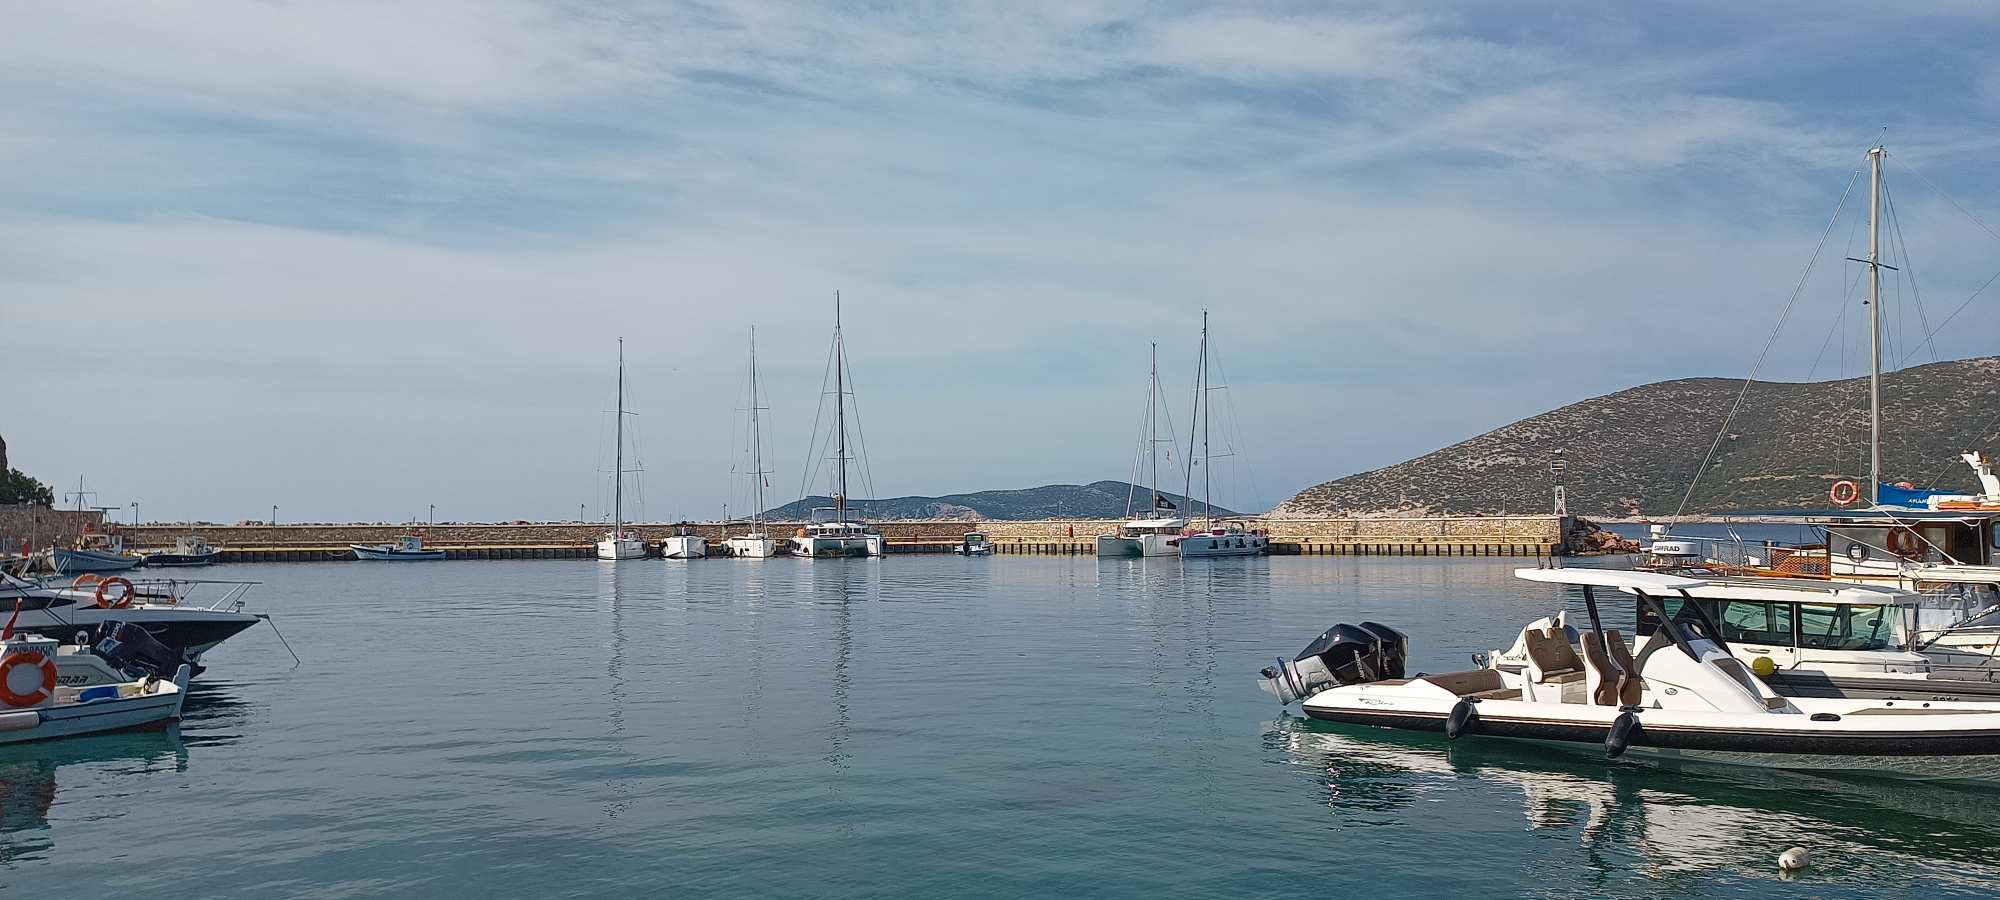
[
  {"x": 1344, "y": 654},
  {"x": 136, "y": 653}
]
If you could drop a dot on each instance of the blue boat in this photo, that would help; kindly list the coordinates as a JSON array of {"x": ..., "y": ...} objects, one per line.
[
  {"x": 409, "y": 547},
  {"x": 95, "y": 553}
]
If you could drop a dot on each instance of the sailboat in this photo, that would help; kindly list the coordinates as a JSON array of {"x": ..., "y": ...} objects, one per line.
[
  {"x": 1218, "y": 538},
  {"x": 1153, "y": 534},
  {"x": 758, "y": 543},
  {"x": 832, "y": 532},
  {"x": 619, "y": 543}
]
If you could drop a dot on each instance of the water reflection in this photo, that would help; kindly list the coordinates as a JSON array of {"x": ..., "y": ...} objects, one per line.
[
  {"x": 31, "y": 776},
  {"x": 1668, "y": 823}
]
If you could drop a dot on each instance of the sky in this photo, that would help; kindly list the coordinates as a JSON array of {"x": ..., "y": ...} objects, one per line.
[{"x": 355, "y": 260}]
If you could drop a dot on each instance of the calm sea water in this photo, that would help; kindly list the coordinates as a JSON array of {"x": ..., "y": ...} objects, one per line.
[{"x": 917, "y": 726}]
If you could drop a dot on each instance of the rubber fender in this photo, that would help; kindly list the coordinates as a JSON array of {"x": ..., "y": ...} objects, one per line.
[
  {"x": 1462, "y": 718},
  {"x": 1622, "y": 730}
]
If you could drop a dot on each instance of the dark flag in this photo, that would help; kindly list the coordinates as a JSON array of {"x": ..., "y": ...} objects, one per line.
[{"x": 1160, "y": 502}]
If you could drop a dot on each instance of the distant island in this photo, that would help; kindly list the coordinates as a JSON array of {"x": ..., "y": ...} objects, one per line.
[
  {"x": 1633, "y": 453},
  {"x": 1097, "y": 500}
]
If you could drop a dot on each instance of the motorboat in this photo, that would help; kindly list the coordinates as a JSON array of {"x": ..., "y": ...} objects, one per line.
[
  {"x": 185, "y": 615},
  {"x": 1680, "y": 696},
  {"x": 973, "y": 544},
  {"x": 35, "y": 706},
  {"x": 97, "y": 551},
  {"x": 1811, "y": 638},
  {"x": 188, "y": 550},
  {"x": 116, "y": 652},
  {"x": 1223, "y": 540},
  {"x": 406, "y": 548},
  {"x": 1215, "y": 539},
  {"x": 684, "y": 543},
  {"x": 620, "y": 542},
  {"x": 757, "y": 543}
]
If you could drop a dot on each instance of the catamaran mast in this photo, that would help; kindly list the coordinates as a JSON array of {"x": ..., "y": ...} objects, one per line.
[
  {"x": 839, "y": 415},
  {"x": 618, "y": 455},
  {"x": 756, "y": 442},
  {"x": 1207, "y": 479},
  {"x": 1874, "y": 326},
  {"x": 1153, "y": 433}
]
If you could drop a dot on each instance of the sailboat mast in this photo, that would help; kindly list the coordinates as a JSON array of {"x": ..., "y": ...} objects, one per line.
[
  {"x": 618, "y": 455},
  {"x": 1153, "y": 433},
  {"x": 1187, "y": 480},
  {"x": 1207, "y": 479},
  {"x": 1874, "y": 326},
  {"x": 756, "y": 440},
  {"x": 839, "y": 414}
]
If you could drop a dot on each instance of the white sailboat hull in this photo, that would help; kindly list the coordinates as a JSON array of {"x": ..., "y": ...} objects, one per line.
[
  {"x": 684, "y": 547},
  {"x": 753, "y": 547},
  {"x": 1208, "y": 546},
  {"x": 621, "y": 548},
  {"x": 823, "y": 547}
]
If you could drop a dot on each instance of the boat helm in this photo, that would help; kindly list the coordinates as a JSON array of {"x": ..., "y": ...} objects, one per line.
[{"x": 1343, "y": 654}]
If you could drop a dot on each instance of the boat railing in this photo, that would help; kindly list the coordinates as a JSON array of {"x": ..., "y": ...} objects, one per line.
[{"x": 195, "y": 593}]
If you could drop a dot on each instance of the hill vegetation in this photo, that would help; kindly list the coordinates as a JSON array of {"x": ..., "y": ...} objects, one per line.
[
  {"x": 1097, "y": 500},
  {"x": 1635, "y": 452}
]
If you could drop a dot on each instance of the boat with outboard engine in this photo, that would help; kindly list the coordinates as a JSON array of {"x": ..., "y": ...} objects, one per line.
[
  {"x": 1807, "y": 638},
  {"x": 406, "y": 548},
  {"x": 188, "y": 616},
  {"x": 35, "y": 705},
  {"x": 974, "y": 543},
  {"x": 1680, "y": 696}
]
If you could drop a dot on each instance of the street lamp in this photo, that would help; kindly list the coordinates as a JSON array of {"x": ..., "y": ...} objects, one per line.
[
  {"x": 274, "y": 514},
  {"x": 434, "y": 514},
  {"x": 135, "y": 512}
]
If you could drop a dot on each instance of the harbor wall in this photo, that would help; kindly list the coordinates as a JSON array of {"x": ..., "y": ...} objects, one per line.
[
  {"x": 41, "y": 527},
  {"x": 1426, "y": 536}
]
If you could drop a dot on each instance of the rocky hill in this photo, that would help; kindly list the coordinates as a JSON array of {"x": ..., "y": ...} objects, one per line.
[
  {"x": 1097, "y": 500},
  {"x": 1635, "y": 451}
]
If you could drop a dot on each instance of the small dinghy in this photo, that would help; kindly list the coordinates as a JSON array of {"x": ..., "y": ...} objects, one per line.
[
  {"x": 1682, "y": 695},
  {"x": 973, "y": 544},
  {"x": 408, "y": 547},
  {"x": 34, "y": 706}
]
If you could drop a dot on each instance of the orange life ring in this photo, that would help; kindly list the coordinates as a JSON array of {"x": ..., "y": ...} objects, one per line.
[
  {"x": 15, "y": 660},
  {"x": 1905, "y": 543},
  {"x": 87, "y": 579},
  {"x": 1844, "y": 492},
  {"x": 124, "y": 598}
]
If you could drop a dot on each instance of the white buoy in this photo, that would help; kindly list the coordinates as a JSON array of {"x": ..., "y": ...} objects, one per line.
[{"x": 1794, "y": 860}]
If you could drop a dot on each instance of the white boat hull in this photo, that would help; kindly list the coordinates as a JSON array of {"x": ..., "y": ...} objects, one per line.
[
  {"x": 621, "y": 548},
  {"x": 62, "y": 720},
  {"x": 684, "y": 547},
  {"x": 750, "y": 547},
  {"x": 825, "y": 547},
  {"x": 1205, "y": 546},
  {"x": 385, "y": 553}
]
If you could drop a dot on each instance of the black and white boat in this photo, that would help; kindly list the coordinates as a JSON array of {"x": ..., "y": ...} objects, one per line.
[
  {"x": 189, "y": 550},
  {"x": 186, "y": 616},
  {"x": 1680, "y": 696}
]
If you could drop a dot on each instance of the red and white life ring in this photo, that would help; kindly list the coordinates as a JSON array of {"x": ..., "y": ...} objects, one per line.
[
  {"x": 43, "y": 690},
  {"x": 1844, "y": 492}
]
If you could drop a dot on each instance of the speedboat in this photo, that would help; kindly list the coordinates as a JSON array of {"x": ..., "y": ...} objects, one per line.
[
  {"x": 188, "y": 550},
  {"x": 186, "y": 616},
  {"x": 1225, "y": 540},
  {"x": 95, "y": 552},
  {"x": 1680, "y": 696},
  {"x": 973, "y": 544},
  {"x": 409, "y": 547},
  {"x": 684, "y": 544},
  {"x": 1812, "y": 638},
  {"x": 34, "y": 706}
]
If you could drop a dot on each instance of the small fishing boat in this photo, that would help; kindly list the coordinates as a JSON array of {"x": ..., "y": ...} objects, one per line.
[
  {"x": 188, "y": 550},
  {"x": 95, "y": 552},
  {"x": 35, "y": 706},
  {"x": 974, "y": 544},
  {"x": 620, "y": 542},
  {"x": 407, "y": 548},
  {"x": 684, "y": 543},
  {"x": 1680, "y": 696}
]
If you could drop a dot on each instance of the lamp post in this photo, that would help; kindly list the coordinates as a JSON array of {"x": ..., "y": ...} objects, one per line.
[
  {"x": 434, "y": 514},
  {"x": 1556, "y": 471},
  {"x": 135, "y": 512},
  {"x": 274, "y": 515}
]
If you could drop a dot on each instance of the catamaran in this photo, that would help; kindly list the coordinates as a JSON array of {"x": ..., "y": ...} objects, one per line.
[
  {"x": 757, "y": 544},
  {"x": 1154, "y": 533},
  {"x": 620, "y": 542},
  {"x": 833, "y": 532},
  {"x": 1216, "y": 538}
]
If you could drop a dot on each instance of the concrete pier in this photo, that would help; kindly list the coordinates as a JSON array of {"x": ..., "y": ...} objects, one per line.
[{"x": 1519, "y": 536}]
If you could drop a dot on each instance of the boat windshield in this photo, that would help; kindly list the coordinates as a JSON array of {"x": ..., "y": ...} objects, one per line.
[{"x": 1810, "y": 626}]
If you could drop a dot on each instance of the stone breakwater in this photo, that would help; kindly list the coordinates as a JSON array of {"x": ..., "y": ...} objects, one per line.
[{"x": 1428, "y": 536}]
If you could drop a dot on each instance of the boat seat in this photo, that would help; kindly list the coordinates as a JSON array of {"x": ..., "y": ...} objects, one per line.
[
  {"x": 1603, "y": 689},
  {"x": 1469, "y": 684},
  {"x": 1631, "y": 687},
  {"x": 1551, "y": 660}
]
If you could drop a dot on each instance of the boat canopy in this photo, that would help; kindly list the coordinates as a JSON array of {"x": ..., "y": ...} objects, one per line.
[{"x": 1777, "y": 590}]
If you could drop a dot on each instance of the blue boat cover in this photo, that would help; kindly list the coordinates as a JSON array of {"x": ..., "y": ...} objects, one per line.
[{"x": 1891, "y": 495}]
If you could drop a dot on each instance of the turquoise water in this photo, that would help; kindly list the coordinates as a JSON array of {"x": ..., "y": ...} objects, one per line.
[{"x": 918, "y": 726}]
